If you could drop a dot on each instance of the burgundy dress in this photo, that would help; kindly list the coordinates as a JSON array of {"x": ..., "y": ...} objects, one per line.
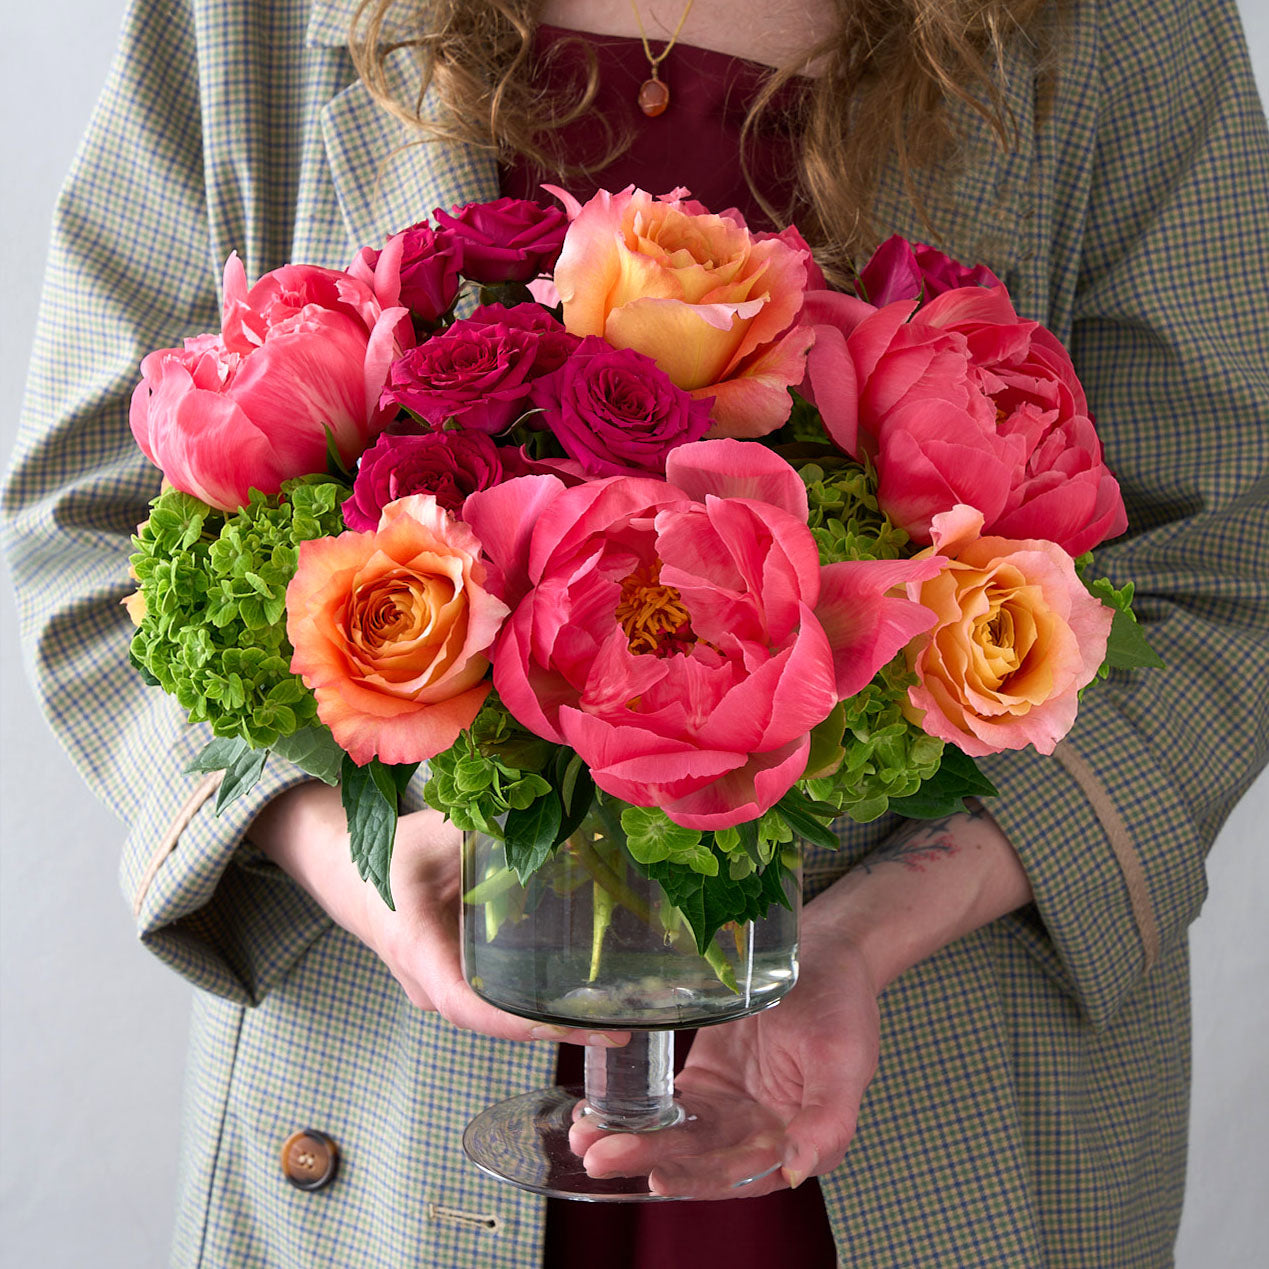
[{"x": 695, "y": 143}]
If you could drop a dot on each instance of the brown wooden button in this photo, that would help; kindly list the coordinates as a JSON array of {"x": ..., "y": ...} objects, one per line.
[{"x": 310, "y": 1159}]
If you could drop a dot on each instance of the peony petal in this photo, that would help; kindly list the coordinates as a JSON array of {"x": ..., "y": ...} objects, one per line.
[
  {"x": 866, "y": 626},
  {"x": 503, "y": 519},
  {"x": 743, "y": 794},
  {"x": 733, "y": 469}
]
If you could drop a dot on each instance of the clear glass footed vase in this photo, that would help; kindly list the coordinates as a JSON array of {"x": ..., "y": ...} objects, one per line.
[{"x": 591, "y": 942}]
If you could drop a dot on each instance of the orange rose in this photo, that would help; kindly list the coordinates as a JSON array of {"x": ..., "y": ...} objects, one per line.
[
  {"x": 1017, "y": 636},
  {"x": 713, "y": 305},
  {"x": 390, "y": 629}
]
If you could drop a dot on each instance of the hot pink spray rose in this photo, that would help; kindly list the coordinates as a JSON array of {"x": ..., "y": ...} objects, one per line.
[
  {"x": 506, "y": 240},
  {"x": 1017, "y": 636},
  {"x": 616, "y": 412},
  {"x": 478, "y": 371},
  {"x": 417, "y": 268},
  {"x": 964, "y": 403},
  {"x": 448, "y": 465},
  {"x": 681, "y": 635},
  {"x": 715, "y": 306},
  {"x": 303, "y": 350},
  {"x": 903, "y": 270}
]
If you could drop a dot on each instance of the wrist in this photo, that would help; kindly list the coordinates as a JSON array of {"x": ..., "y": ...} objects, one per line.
[{"x": 928, "y": 885}]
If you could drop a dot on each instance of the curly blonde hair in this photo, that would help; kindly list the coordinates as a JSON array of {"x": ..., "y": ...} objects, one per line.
[{"x": 895, "y": 71}]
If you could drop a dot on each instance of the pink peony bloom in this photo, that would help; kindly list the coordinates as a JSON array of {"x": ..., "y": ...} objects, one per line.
[
  {"x": 681, "y": 635},
  {"x": 902, "y": 270},
  {"x": 303, "y": 350},
  {"x": 1017, "y": 637},
  {"x": 964, "y": 403},
  {"x": 715, "y": 306},
  {"x": 506, "y": 240}
]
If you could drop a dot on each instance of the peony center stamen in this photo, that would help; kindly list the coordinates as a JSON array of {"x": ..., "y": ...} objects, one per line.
[{"x": 654, "y": 617}]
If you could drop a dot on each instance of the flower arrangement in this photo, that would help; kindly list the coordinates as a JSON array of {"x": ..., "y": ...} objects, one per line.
[{"x": 659, "y": 528}]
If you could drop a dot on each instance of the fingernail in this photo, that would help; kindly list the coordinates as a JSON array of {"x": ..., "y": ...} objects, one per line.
[
  {"x": 598, "y": 1037},
  {"x": 548, "y": 1031},
  {"x": 792, "y": 1179}
]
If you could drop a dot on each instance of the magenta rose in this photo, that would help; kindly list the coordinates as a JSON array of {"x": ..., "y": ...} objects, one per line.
[
  {"x": 902, "y": 270},
  {"x": 681, "y": 635},
  {"x": 964, "y": 403},
  {"x": 507, "y": 240},
  {"x": 616, "y": 413},
  {"x": 553, "y": 344},
  {"x": 417, "y": 268},
  {"x": 475, "y": 373},
  {"x": 302, "y": 351},
  {"x": 448, "y": 465}
]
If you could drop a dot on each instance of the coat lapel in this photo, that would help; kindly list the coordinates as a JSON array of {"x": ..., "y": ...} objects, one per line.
[{"x": 386, "y": 174}]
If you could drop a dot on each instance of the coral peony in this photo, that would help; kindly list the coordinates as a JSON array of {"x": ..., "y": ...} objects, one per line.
[
  {"x": 715, "y": 306},
  {"x": 304, "y": 350},
  {"x": 681, "y": 635},
  {"x": 964, "y": 403},
  {"x": 390, "y": 630},
  {"x": 1017, "y": 636}
]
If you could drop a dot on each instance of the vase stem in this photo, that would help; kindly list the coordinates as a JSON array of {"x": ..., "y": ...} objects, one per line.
[{"x": 632, "y": 1088}]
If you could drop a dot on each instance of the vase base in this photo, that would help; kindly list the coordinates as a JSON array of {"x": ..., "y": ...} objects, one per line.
[{"x": 525, "y": 1140}]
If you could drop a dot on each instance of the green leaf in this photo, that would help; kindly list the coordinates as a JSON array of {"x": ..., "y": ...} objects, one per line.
[
  {"x": 803, "y": 817},
  {"x": 312, "y": 749},
  {"x": 240, "y": 777},
  {"x": 944, "y": 793},
  {"x": 335, "y": 464},
  {"x": 652, "y": 836},
  {"x": 710, "y": 902},
  {"x": 219, "y": 754},
  {"x": 1126, "y": 648},
  {"x": 578, "y": 807},
  {"x": 370, "y": 798},
  {"x": 531, "y": 834}
]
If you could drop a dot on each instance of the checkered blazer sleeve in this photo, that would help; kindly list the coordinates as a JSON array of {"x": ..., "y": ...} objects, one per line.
[
  {"x": 130, "y": 270},
  {"x": 1170, "y": 339}
]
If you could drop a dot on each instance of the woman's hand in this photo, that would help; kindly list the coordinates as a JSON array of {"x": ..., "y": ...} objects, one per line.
[
  {"x": 303, "y": 832},
  {"x": 807, "y": 1062}
]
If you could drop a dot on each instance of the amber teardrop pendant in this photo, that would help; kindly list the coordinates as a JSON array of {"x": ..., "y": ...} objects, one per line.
[{"x": 654, "y": 97}]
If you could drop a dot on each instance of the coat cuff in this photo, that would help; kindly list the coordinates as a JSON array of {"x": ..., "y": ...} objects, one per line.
[
  {"x": 1114, "y": 857},
  {"x": 206, "y": 901}
]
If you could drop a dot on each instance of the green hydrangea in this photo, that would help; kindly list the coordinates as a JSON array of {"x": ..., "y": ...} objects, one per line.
[
  {"x": 844, "y": 518},
  {"x": 214, "y": 585}
]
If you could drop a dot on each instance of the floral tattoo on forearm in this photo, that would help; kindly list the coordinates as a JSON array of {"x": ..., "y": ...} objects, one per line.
[{"x": 920, "y": 842}]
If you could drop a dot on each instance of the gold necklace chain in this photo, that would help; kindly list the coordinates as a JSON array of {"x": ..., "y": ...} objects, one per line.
[{"x": 654, "y": 95}]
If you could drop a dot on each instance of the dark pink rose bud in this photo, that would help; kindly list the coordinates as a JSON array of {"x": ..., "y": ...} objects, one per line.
[
  {"x": 417, "y": 268},
  {"x": 901, "y": 270},
  {"x": 507, "y": 240},
  {"x": 448, "y": 465},
  {"x": 474, "y": 373},
  {"x": 616, "y": 412}
]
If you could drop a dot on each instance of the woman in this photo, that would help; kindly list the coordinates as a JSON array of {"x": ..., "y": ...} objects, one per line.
[{"x": 1029, "y": 1105}]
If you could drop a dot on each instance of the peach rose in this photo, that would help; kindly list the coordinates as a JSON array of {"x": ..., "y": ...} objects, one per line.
[
  {"x": 715, "y": 306},
  {"x": 1017, "y": 636},
  {"x": 390, "y": 630}
]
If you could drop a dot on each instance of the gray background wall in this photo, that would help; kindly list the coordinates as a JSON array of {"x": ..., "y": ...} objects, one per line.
[{"x": 93, "y": 1030}]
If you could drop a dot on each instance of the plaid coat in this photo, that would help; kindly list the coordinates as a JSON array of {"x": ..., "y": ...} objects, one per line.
[{"x": 1030, "y": 1106}]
